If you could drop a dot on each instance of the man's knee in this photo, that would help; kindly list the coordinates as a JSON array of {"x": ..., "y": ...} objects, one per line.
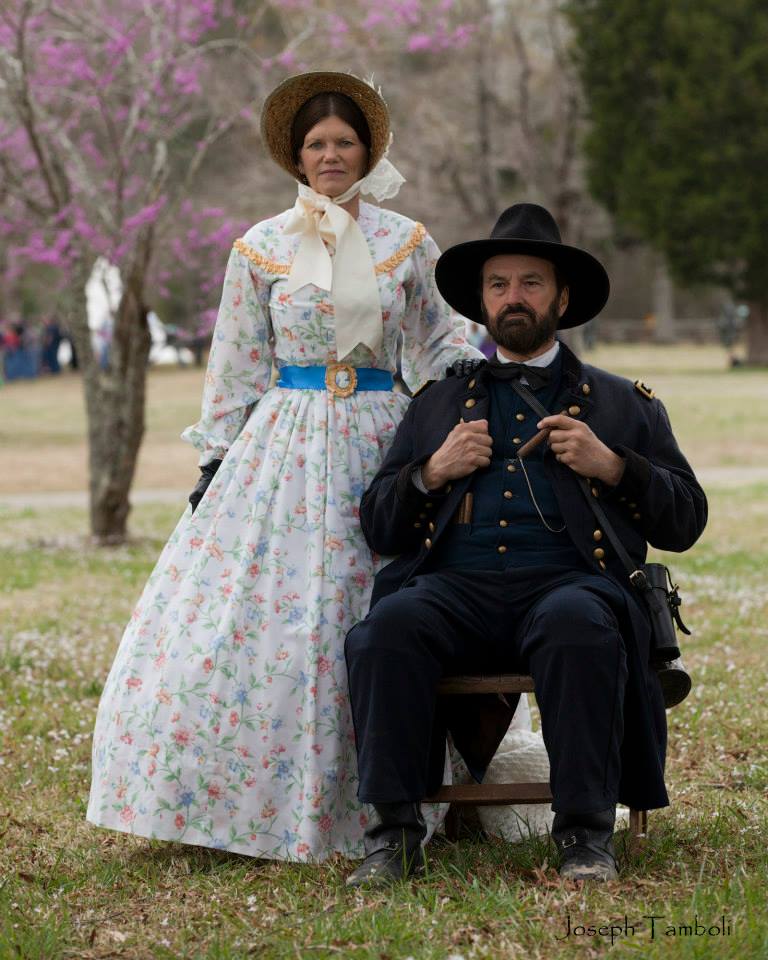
[
  {"x": 574, "y": 616},
  {"x": 388, "y": 627}
]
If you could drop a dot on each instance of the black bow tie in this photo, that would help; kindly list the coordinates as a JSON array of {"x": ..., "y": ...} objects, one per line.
[{"x": 535, "y": 376}]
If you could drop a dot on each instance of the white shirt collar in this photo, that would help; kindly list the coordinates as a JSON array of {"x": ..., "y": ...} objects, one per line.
[{"x": 542, "y": 361}]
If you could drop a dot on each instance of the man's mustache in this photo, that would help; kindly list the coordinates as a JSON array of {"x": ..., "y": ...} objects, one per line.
[{"x": 515, "y": 308}]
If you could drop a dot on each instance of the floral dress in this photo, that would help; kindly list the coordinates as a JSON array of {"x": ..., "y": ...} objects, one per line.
[{"x": 225, "y": 719}]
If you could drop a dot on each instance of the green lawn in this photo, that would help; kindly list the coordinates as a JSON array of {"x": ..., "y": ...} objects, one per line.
[{"x": 68, "y": 890}]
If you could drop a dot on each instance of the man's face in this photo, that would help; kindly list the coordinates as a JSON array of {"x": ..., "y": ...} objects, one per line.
[{"x": 520, "y": 302}]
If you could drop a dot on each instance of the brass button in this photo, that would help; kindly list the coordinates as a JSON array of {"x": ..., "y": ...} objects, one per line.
[
  {"x": 597, "y": 535},
  {"x": 417, "y": 525},
  {"x": 601, "y": 564},
  {"x": 636, "y": 516},
  {"x": 431, "y": 528},
  {"x": 503, "y": 523},
  {"x": 430, "y": 504},
  {"x": 471, "y": 383},
  {"x": 502, "y": 549},
  {"x": 585, "y": 389},
  {"x": 622, "y": 499},
  {"x": 470, "y": 403},
  {"x": 511, "y": 467},
  {"x": 422, "y": 516},
  {"x": 595, "y": 492},
  {"x": 520, "y": 417},
  {"x": 516, "y": 440},
  {"x": 574, "y": 410},
  {"x": 632, "y": 506},
  {"x": 508, "y": 494},
  {"x": 598, "y": 553},
  {"x": 427, "y": 543}
]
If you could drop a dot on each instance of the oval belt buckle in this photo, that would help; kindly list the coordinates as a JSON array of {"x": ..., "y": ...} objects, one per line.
[{"x": 341, "y": 379}]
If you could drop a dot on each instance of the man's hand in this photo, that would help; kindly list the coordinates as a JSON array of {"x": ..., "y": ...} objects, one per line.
[
  {"x": 576, "y": 446},
  {"x": 467, "y": 447}
]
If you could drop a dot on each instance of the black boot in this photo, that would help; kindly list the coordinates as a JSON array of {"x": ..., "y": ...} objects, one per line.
[
  {"x": 585, "y": 843},
  {"x": 392, "y": 846}
]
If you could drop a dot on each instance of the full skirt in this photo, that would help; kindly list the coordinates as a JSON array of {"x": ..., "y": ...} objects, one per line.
[{"x": 225, "y": 719}]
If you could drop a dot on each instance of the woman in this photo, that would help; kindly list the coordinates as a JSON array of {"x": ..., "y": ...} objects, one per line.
[{"x": 225, "y": 719}]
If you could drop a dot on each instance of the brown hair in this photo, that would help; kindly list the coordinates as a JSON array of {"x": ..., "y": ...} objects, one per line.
[{"x": 324, "y": 105}]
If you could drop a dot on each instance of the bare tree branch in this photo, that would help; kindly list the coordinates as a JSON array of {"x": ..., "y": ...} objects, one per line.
[{"x": 26, "y": 112}]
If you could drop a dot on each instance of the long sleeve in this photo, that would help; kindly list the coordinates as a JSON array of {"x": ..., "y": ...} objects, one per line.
[
  {"x": 661, "y": 491},
  {"x": 240, "y": 361},
  {"x": 392, "y": 502},
  {"x": 433, "y": 335}
]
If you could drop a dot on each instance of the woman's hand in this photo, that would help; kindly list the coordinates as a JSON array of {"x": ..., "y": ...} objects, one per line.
[{"x": 207, "y": 473}]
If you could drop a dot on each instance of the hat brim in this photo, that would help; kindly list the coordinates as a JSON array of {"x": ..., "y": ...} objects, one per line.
[
  {"x": 458, "y": 276},
  {"x": 282, "y": 105}
]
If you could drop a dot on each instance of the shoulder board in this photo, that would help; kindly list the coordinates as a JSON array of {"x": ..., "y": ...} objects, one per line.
[
  {"x": 423, "y": 387},
  {"x": 464, "y": 367},
  {"x": 643, "y": 390}
]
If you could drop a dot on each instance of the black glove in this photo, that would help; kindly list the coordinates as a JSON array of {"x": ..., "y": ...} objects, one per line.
[
  {"x": 207, "y": 473},
  {"x": 464, "y": 367}
]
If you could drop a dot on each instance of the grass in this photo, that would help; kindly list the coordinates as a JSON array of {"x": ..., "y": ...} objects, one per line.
[
  {"x": 716, "y": 412},
  {"x": 45, "y": 419},
  {"x": 68, "y": 890}
]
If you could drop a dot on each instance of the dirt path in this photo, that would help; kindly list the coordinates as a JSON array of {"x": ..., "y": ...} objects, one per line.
[
  {"x": 708, "y": 477},
  {"x": 79, "y": 498}
]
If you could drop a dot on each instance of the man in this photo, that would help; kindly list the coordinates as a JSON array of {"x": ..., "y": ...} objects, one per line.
[{"x": 502, "y": 565}]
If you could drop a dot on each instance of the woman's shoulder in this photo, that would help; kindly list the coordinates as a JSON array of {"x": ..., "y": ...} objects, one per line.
[
  {"x": 268, "y": 228},
  {"x": 393, "y": 235},
  {"x": 381, "y": 217},
  {"x": 265, "y": 243}
]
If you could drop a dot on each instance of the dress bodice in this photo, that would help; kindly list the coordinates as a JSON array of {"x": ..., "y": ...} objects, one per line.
[{"x": 260, "y": 323}]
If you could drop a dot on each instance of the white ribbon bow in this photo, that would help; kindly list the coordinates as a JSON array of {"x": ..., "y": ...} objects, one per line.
[{"x": 349, "y": 275}]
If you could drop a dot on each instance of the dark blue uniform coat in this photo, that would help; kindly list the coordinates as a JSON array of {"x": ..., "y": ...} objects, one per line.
[{"x": 658, "y": 502}]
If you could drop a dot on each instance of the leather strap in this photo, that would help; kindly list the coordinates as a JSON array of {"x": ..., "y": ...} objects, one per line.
[{"x": 636, "y": 575}]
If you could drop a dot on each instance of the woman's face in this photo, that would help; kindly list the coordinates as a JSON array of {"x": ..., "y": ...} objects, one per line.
[{"x": 332, "y": 157}]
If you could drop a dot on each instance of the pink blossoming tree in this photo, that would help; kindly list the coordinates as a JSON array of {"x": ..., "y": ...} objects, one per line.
[{"x": 109, "y": 112}]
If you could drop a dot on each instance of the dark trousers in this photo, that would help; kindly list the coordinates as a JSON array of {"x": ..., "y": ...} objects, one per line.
[{"x": 560, "y": 627}]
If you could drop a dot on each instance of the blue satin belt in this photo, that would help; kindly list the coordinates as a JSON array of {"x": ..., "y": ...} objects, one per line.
[{"x": 341, "y": 379}]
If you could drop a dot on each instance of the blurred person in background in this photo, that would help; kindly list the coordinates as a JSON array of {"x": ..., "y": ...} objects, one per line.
[
  {"x": 20, "y": 360},
  {"x": 49, "y": 346}
]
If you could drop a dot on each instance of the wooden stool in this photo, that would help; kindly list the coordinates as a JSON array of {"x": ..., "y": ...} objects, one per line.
[{"x": 502, "y": 794}]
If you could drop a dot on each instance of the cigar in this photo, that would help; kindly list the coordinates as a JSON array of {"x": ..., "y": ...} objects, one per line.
[{"x": 534, "y": 442}]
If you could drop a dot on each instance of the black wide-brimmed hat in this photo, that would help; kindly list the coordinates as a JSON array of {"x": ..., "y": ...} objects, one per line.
[{"x": 529, "y": 229}]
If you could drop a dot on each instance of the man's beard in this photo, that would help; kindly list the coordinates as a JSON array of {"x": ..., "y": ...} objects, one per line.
[{"x": 518, "y": 335}]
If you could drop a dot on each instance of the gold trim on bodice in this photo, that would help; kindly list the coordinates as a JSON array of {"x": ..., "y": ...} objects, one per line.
[
  {"x": 386, "y": 266},
  {"x": 391, "y": 263},
  {"x": 261, "y": 261}
]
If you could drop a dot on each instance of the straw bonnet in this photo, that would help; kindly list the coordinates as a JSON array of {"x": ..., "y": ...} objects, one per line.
[
  {"x": 286, "y": 100},
  {"x": 524, "y": 228}
]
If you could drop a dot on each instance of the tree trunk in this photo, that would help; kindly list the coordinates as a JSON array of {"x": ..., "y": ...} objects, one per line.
[
  {"x": 116, "y": 428},
  {"x": 757, "y": 335},
  {"x": 114, "y": 400},
  {"x": 663, "y": 302},
  {"x": 485, "y": 154}
]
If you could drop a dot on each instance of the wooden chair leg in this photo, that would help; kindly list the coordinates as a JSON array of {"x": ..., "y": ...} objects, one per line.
[
  {"x": 453, "y": 822},
  {"x": 638, "y": 825}
]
